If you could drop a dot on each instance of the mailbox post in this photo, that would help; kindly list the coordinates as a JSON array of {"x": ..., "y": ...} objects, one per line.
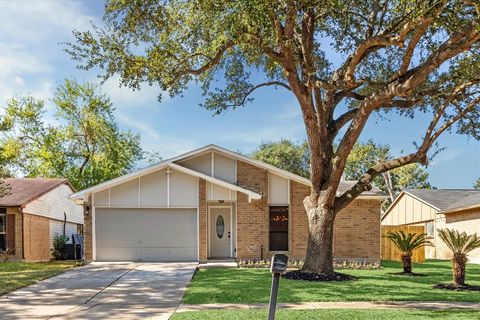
[{"x": 278, "y": 266}]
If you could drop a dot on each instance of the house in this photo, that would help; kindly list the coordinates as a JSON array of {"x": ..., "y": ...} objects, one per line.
[
  {"x": 33, "y": 212},
  {"x": 436, "y": 209},
  {"x": 213, "y": 203}
]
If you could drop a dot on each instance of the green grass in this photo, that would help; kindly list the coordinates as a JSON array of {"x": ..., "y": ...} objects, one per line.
[
  {"x": 337, "y": 314},
  {"x": 15, "y": 275},
  {"x": 253, "y": 286}
]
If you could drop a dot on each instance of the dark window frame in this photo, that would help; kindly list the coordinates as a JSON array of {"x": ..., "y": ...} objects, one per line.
[{"x": 278, "y": 235}]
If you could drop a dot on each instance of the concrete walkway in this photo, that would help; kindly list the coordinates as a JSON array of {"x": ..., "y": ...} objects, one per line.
[
  {"x": 427, "y": 305},
  {"x": 103, "y": 291}
]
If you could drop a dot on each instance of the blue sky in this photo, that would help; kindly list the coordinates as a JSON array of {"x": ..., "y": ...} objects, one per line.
[{"x": 32, "y": 61}]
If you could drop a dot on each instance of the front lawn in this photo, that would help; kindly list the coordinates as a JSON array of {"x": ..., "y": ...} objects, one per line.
[
  {"x": 253, "y": 286},
  {"x": 15, "y": 275},
  {"x": 337, "y": 314}
]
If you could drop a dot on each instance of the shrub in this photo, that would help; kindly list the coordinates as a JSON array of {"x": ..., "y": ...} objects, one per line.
[
  {"x": 60, "y": 247},
  {"x": 407, "y": 243},
  {"x": 460, "y": 244}
]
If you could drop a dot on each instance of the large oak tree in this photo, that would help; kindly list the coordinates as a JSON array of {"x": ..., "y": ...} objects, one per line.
[{"x": 396, "y": 55}]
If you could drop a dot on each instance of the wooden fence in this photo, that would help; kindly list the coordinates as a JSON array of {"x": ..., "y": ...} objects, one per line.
[{"x": 391, "y": 252}]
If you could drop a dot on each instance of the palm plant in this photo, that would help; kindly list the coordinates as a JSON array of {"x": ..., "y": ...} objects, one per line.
[
  {"x": 460, "y": 244},
  {"x": 407, "y": 243}
]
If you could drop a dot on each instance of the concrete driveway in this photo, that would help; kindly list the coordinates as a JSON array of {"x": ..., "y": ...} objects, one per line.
[{"x": 103, "y": 291}]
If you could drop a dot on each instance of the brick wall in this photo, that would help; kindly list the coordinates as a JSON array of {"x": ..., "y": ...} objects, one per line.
[
  {"x": 87, "y": 233},
  {"x": 252, "y": 217},
  {"x": 36, "y": 238},
  {"x": 356, "y": 228},
  {"x": 202, "y": 211}
]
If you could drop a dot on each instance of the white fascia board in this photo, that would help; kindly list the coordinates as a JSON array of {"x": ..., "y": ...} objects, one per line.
[
  {"x": 251, "y": 194},
  {"x": 116, "y": 181}
]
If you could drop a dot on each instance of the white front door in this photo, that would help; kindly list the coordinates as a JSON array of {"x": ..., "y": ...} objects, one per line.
[{"x": 220, "y": 233}]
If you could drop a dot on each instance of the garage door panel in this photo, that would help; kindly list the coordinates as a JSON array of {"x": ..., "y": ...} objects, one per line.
[{"x": 146, "y": 234}]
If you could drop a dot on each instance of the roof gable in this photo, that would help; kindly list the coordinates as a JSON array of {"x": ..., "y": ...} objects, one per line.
[
  {"x": 344, "y": 185},
  {"x": 25, "y": 190}
]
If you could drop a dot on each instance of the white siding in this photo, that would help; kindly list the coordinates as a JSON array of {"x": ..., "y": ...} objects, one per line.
[
  {"x": 54, "y": 203},
  {"x": 125, "y": 194},
  {"x": 202, "y": 163},
  {"x": 224, "y": 168},
  {"x": 154, "y": 190},
  {"x": 102, "y": 198},
  {"x": 183, "y": 190},
  {"x": 278, "y": 190},
  {"x": 215, "y": 192},
  {"x": 56, "y": 227}
]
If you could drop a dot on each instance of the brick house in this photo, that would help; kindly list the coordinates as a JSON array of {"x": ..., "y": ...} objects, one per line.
[
  {"x": 434, "y": 209},
  {"x": 33, "y": 212},
  {"x": 214, "y": 203}
]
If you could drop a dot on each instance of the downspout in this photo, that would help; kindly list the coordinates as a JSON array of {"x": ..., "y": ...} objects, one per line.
[
  {"x": 64, "y": 223},
  {"x": 20, "y": 209}
]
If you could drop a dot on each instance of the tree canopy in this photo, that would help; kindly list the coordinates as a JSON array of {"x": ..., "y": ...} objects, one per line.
[
  {"x": 477, "y": 184},
  {"x": 343, "y": 61},
  {"x": 285, "y": 155},
  {"x": 295, "y": 158},
  {"x": 83, "y": 144}
]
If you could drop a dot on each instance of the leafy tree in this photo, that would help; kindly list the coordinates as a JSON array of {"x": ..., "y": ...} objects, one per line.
[
  {"x": 477, "y": 184},
  {"x": 285, "y": 155},
  {"x": 366, "y": 155},
  {"x": 84, "y": 145},
  {"x": 398, "y": 56},
  {"x": 295, "y": 158},
  {"x": 460, "y": 244},
  {"x": 407, "y": 243}
]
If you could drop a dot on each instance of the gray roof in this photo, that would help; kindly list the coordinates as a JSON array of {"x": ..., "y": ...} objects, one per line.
[
  {"x": 25, "y": 190},
  {"x": 447, "y": 199}
]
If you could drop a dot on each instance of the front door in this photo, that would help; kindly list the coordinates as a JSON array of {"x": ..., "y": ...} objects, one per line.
[{"x": 220, "y": 233}]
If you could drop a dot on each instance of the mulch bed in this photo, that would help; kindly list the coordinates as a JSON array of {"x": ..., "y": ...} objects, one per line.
[
  {"x": 451, "y": 286},
  {"x": 308, "y": 276},
  {"x": 408, "y": 274}
]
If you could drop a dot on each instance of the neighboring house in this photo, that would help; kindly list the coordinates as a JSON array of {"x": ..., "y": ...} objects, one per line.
[
  {"x": 33, "y": 212},
  {"x": 435, "y": 209},
  {"x": 214, "y": 203}
]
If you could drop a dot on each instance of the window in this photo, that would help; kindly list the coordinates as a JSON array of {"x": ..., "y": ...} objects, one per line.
[
  {"x": 3, "y": 228},
  {"x": 430, "y": 229},
  {"x": 278, "y": 228},
  {"x": 220, "y": 226}
]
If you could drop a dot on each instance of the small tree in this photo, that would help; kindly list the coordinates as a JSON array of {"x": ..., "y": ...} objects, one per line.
[
  {"x": 407, "y": 243},
  {"x": 460, "y": 244}
]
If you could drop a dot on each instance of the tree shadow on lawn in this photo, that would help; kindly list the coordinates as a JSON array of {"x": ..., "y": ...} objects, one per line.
[{"x": 253, "y": 286}]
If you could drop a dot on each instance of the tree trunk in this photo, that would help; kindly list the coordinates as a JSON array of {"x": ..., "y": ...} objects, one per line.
[
  {"x": 407, "y": 263},
  {"x": 319, "y": 255},
  {"x": 458, "y": 267}
]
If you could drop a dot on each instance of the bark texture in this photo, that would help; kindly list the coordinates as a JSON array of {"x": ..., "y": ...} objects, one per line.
[
  {"x": 459, "y": 262},
  {"x": 319, "y": 255},
  {"x": 407, "y": 263}
]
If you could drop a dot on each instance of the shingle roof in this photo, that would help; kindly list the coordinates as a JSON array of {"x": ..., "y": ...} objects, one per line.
[
  {"x": 447, "y": 199},
  {"x": 25, "y": 190}
]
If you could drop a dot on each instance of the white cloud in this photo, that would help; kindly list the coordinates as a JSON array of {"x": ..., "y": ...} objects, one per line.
[
  {"x": 125, "y": 98},
  {"x": 34, "y": 21},
  {"x": 152, "y": 140},
  {"x": 31, "y": 57}
]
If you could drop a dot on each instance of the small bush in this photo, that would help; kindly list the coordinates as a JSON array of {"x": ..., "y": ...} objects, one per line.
[
  {"x": 59, "y": 247},
  {"x": 298, "y": 264},
  {"x": 6, "y": 254}
]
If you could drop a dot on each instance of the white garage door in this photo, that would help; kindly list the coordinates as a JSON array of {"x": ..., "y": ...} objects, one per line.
[{"x": 146, "y": 234}]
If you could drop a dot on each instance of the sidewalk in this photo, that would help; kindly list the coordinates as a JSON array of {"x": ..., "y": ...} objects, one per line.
[{"x": 428, "y": 305}]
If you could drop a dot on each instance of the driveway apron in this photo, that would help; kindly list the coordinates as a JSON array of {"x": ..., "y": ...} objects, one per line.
[{"x": 103, "y": 291}]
